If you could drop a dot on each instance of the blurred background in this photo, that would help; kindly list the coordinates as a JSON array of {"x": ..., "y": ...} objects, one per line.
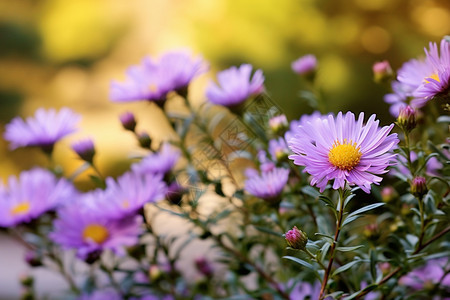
[{"x": 56, "y": 53}]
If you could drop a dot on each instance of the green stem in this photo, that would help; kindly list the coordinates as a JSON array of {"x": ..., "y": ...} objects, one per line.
[
  {"x": 422, "y": 223},
  {"x": 315, "y": 259},
  {"x": 333, "y": 246}
]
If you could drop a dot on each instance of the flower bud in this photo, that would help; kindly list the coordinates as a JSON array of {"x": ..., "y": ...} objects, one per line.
[
  {"x": 128, "y": 121},
  {"x": 85, "y": 150},
  {"x": 382, "y": 71},
  {"x": 296, "y": 238},
  {"x": 204, "y": 267},
  {"x": 26, "y": 280},
  {"x": 33, "y": 259},
  {"x": 407, "y": 119},
  {"x": 419, "y": 186},
  {"x": 144, "y": 140},
  {"x": 154, "y": 272},
  {"x": 305, "y": 66},
  {"x": 279, "y": 124},
  {"x": 388, "y": 194}
]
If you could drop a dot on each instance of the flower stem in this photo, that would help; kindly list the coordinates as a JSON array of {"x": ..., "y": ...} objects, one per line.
[{"x": 333, "y": 246}]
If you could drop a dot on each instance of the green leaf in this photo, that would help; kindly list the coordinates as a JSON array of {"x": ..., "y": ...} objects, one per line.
[
  {"x": 310, "y": 191},
  {"x": 98, "y": 181},
  {"x": 303, "y": 263},
  {"x": 350, "y": 219},
  {"x": 364, "y": 209},
  {"x": 347, "y": 200},
  {"x": 346, "y": 267},
  {"x": 373, "y": 263},
  {"x": 348, "y": 249},
  {"x": 322, "y": 253},
  {"x": 325, "y": 236}
]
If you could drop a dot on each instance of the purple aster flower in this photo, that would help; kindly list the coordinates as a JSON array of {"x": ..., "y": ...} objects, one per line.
[
  {"x": 278, "y": 149},
  {"x": 85, "y": 149},
  {"x": 159, "y": 162},
  {"x": 436, "y": 82},
  {"x": 433, "y": 166},
  {"x": 235, "y": 86},
  {"x": 399, "y": 98},
  {"x": 153, "y": 80},
  {"x": 304, "y": 119},
  {"x": 268, "y": 185},
  {"x": 32, "y": 194},
  {"x": 428, "y": 275},
  {"x": 144, "y": 82},
  {"x": 304, "y": 290},
  {"x": 107, "y": 294},
  {"x": 278, "y": 124},
  {"x": 81, "y": 225},
  {"x": 44, "y": 129},
  {"x": 305, "y": 65},
  {"x": 180, "y": 68},
  {"x": 344, "y": 150},
  {"x": 131, "y": 192}
]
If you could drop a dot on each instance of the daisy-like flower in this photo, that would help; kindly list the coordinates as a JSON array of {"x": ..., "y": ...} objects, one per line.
[
  {"x": 268, "y": 185},
  {"x": 32, "y": 194},
  {"x": 159, "y": 162},
  {"x": 81, "y": 225},
  {"x": 427, "y": 276},
  {"x": 43, "y": 130},
  {"x": 437, "y": 82},
  {"x": 235, "y": 86},
  {"x": 344, "y": 150},
  {"x": 153, "y": 80},
  {"x": 278, "y": 149},
  {"x": 304, "y": 119},
  {"x": 131, "y": 192}
]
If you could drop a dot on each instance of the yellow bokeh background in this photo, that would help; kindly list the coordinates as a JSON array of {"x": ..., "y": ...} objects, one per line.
[{"x": 57, "y": 53}]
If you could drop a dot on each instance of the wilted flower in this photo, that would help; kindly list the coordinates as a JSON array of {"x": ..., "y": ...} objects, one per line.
[
  {"x": 81, "y": 225},
  {"x": 85, "y": 149},
  {"x": 128, "y": 121},
  {"x": 235, "y": 86},
  {"x": 305, "y": 65},
  {"x": 153, "y": 80},
  {"x": 34, "y": 193},
  {"x": 268, "y": 185},
  {"x": 159, "y": 162},
  {"x": 296, "y": 238},
  {"x": 43, "y": 130},
  {"x": 344, "y": 150}
]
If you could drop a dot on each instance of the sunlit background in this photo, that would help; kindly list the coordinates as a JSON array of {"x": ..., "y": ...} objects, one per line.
[{"x": 57, "y": 53}]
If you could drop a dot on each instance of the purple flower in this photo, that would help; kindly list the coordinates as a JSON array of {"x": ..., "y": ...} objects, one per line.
[
  {"x": 429, "y": 274},
  {"x": 128, "y": 121},
  {"x": 344, "y": 150},
  {"x": 85, "y": 149},
  {"x": 107, "y": 294},
  {"x": 305, "y": 65},
  {"x": 278, "y": 149},
  {"x": 235, "y": 86},
  {"x": 304, "y": 119},
  {"x": 399, "y": 98},
  {"x": 433, "y": 166},
  {"x": 34, "y": 193},
  {"x": 278, "y": 124},
  {"x": 296, "y": 238},
  {"x": 159, "y": 162},
  {"x": 44, "y": 129},
  {"x": 153, "y": 80},
  {"x": 268, "y": 185},
  {"x": 131, "y": 192},
  {"x": 305, "y": 290},
  {"x": 83, "y": 225},
  {"x": 437, "y": 81}
]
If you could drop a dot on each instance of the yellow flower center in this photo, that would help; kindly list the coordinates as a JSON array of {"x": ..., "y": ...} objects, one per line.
[
  {"x": 432, "y": 76},
  {"x": 153, "y": 87},
  {"x": 344, "y": 156},
  {"x": 21, "y": 208},
  {"x": 95, "y": 232}
]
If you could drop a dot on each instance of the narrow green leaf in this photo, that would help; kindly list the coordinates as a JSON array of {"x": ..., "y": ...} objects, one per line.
[
  {"x": 303, "y": 263},
  {"x": 322, "y": 253},
  {"x": 346, "y": 267},
  {"x": 348, "y": 249},
  {"x": 350, "y": 219},
  {"x": 347, "y": 200},
  {"x": 326, "y": 236},
  {"x": 310, "y": 191},
  {"x": 365, "y": 208}
]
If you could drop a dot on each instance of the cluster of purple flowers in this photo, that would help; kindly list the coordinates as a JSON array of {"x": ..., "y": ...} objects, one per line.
[{"x": 420, "y": 80}]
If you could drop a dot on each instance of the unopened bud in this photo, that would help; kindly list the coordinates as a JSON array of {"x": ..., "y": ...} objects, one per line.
[
  {"x": 296, "y": 238},
  {"x": 278, "y": 124},
  {"x": 26, "y": 280},
  {"x": 382, "y": 71},
  {"x": 407, "y": 118},
  {"x": 85, "y": 150},
  {"x": 305, "y": 66},
  {"x": 419, "y": 186},
  {"x": 204, "y": 267},
  {"x": 144, "y": 140},
  {"x": 128, "y": 121},
  {"x": 33, "y": 258}
]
